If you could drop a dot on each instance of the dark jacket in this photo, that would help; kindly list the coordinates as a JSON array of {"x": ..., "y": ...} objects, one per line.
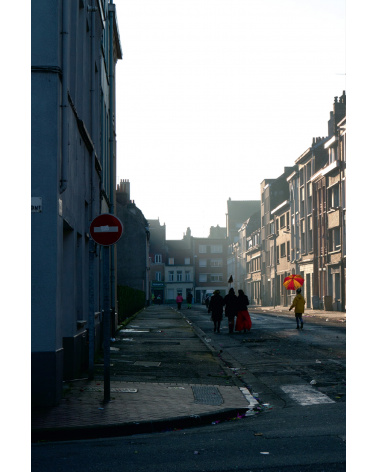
[
  {"x": 189, "y": 298},
  {"x": 243, "y": 301},
  {"x": 216, "y": 307},
  {"x": 231, "y": 304}
]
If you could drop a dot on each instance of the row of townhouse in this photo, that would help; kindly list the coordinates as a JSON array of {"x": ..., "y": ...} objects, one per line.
[
  {"x": 300, "y": 227},
  {"x": 190, "y": 265},
  {"x": 75, "y": 46}
]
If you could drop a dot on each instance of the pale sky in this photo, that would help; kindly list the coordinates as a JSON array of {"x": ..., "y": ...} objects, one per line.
[{"x": 214, "y": 96}]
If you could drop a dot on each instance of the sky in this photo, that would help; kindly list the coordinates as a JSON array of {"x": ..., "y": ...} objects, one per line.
[{"x": 214, "y": 96}]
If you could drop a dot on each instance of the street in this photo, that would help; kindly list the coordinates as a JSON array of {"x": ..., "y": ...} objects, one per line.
[{"x": 298, "y": 378}]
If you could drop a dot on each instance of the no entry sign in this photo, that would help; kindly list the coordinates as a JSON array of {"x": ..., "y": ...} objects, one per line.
[{"x": 106, "y": 229}]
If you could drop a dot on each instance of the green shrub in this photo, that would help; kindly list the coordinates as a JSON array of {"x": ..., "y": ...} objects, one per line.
[{"x": 130, "y": 301}]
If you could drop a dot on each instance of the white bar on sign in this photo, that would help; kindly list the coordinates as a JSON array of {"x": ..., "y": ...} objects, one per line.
[{"x": 105, "y": 229}]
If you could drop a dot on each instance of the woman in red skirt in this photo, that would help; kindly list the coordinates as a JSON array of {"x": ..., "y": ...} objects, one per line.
[{"x": 243, "y": 320}]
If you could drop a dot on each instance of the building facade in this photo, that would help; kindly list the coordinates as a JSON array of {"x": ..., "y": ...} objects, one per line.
[
  {"x": 210, "y": 259},
  {"x": 74, "y": 51},
  {"x": 133, "y": 263},
  {"x": 179, "y": 268}
]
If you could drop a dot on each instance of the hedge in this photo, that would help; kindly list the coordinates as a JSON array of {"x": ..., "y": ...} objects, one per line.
[{"x": 130, "y": 301}]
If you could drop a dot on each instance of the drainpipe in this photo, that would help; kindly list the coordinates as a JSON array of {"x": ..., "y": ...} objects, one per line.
[
  {"x": 92, "y": 248},
  {"x": 111, "y": 147},
  {"x": 65, "y": 73}
]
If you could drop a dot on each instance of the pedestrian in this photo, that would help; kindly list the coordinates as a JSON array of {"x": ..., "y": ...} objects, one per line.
[
  {"x": 179, "y": 300},
  {"x": 231, "y": 308},
  {"x": 298, "y": 303},
  {"x": 207, "y": 301},
  {"x": 189, "y": 298},
  {"x": 243, "y": 319},
  {"x": 216, "y": 309}
]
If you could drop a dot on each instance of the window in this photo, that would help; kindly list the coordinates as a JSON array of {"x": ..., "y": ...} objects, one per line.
[
  {"x": 158, "y": 276},
  {"x": 170, "y": 276},
  {"x": 282, "y": 222},
  {"x": 216, "y": 249},
  {"x": 334, "y": 239},
  {"x": 202, "y": 249},
  {"x": 283, "y": 250},
  {"x": 216, "y": 278},
  {"x": 187, "y": 276},
  {"x": 202, "y": 262},
  {"x": 309, "y": 225},
  {"x": 179, "y": 276},
  {"x": 171, "y": 261},
  {"x": 288, "y": 250},
  {"x": 158, "y": 258},
  {"x": 187, "y": 260},
  {"x": 203, "y": 277},
  {"x": 216, "y": 263},
  {"x": 333, "y": 196}
]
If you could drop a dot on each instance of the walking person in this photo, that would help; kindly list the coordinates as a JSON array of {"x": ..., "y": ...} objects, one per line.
[
  {"x": 179, "y": 300},
  {"x": 298, "y": 303},
  {"x": 243, "y": 320},
  {"x": 216, "y": 309},
  {"x": 189, "y": 299},
  {"x": 231, "y": 308}
]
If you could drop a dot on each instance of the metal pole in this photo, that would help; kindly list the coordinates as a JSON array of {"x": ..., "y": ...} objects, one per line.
[{"x": 106, "y": 323}]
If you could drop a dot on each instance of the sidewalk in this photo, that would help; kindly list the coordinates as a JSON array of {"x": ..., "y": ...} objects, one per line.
[
  {"x": 163, "y": 376},
  {"x": 332, "y": 316}
]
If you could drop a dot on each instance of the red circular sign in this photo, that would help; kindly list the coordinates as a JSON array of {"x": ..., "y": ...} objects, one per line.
[{"x": 106, "y": 229}]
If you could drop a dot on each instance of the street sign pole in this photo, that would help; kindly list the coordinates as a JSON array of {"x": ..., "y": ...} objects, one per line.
[
  {"x": 106, "y": 322},
  {"x": 105, "y": 230}
]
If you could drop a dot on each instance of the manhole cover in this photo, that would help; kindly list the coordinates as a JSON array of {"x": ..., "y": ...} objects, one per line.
[
  {"x": 207, "y": 395},
  {"x": 147, "y": 364}
]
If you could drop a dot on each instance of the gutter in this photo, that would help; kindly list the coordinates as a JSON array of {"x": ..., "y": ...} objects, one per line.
[{"x": 65, "y": 73}]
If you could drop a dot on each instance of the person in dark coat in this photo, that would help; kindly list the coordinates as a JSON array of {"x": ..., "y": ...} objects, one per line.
[
  {"x": 243, "y": 320},
  {"x": 216, "y": 309},
  {"x": 231, "y": 308},
  {"x": 189, "y": 299}
]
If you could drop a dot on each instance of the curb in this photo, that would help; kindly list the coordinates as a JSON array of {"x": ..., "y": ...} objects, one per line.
[{"x": 128, "y": 429}]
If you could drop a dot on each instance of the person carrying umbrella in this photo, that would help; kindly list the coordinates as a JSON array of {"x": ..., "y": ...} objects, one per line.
[{"x": 298, "y": 303}]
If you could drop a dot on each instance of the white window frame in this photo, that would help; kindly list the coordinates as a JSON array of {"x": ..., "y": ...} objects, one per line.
[{"x": 216, "y": 278}]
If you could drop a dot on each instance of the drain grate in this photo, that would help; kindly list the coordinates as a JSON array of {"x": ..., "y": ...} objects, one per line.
[{"x": 207, "y": 395}]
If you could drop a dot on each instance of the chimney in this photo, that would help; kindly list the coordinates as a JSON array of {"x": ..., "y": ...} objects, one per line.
[{"x": 123, "y": 191}]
